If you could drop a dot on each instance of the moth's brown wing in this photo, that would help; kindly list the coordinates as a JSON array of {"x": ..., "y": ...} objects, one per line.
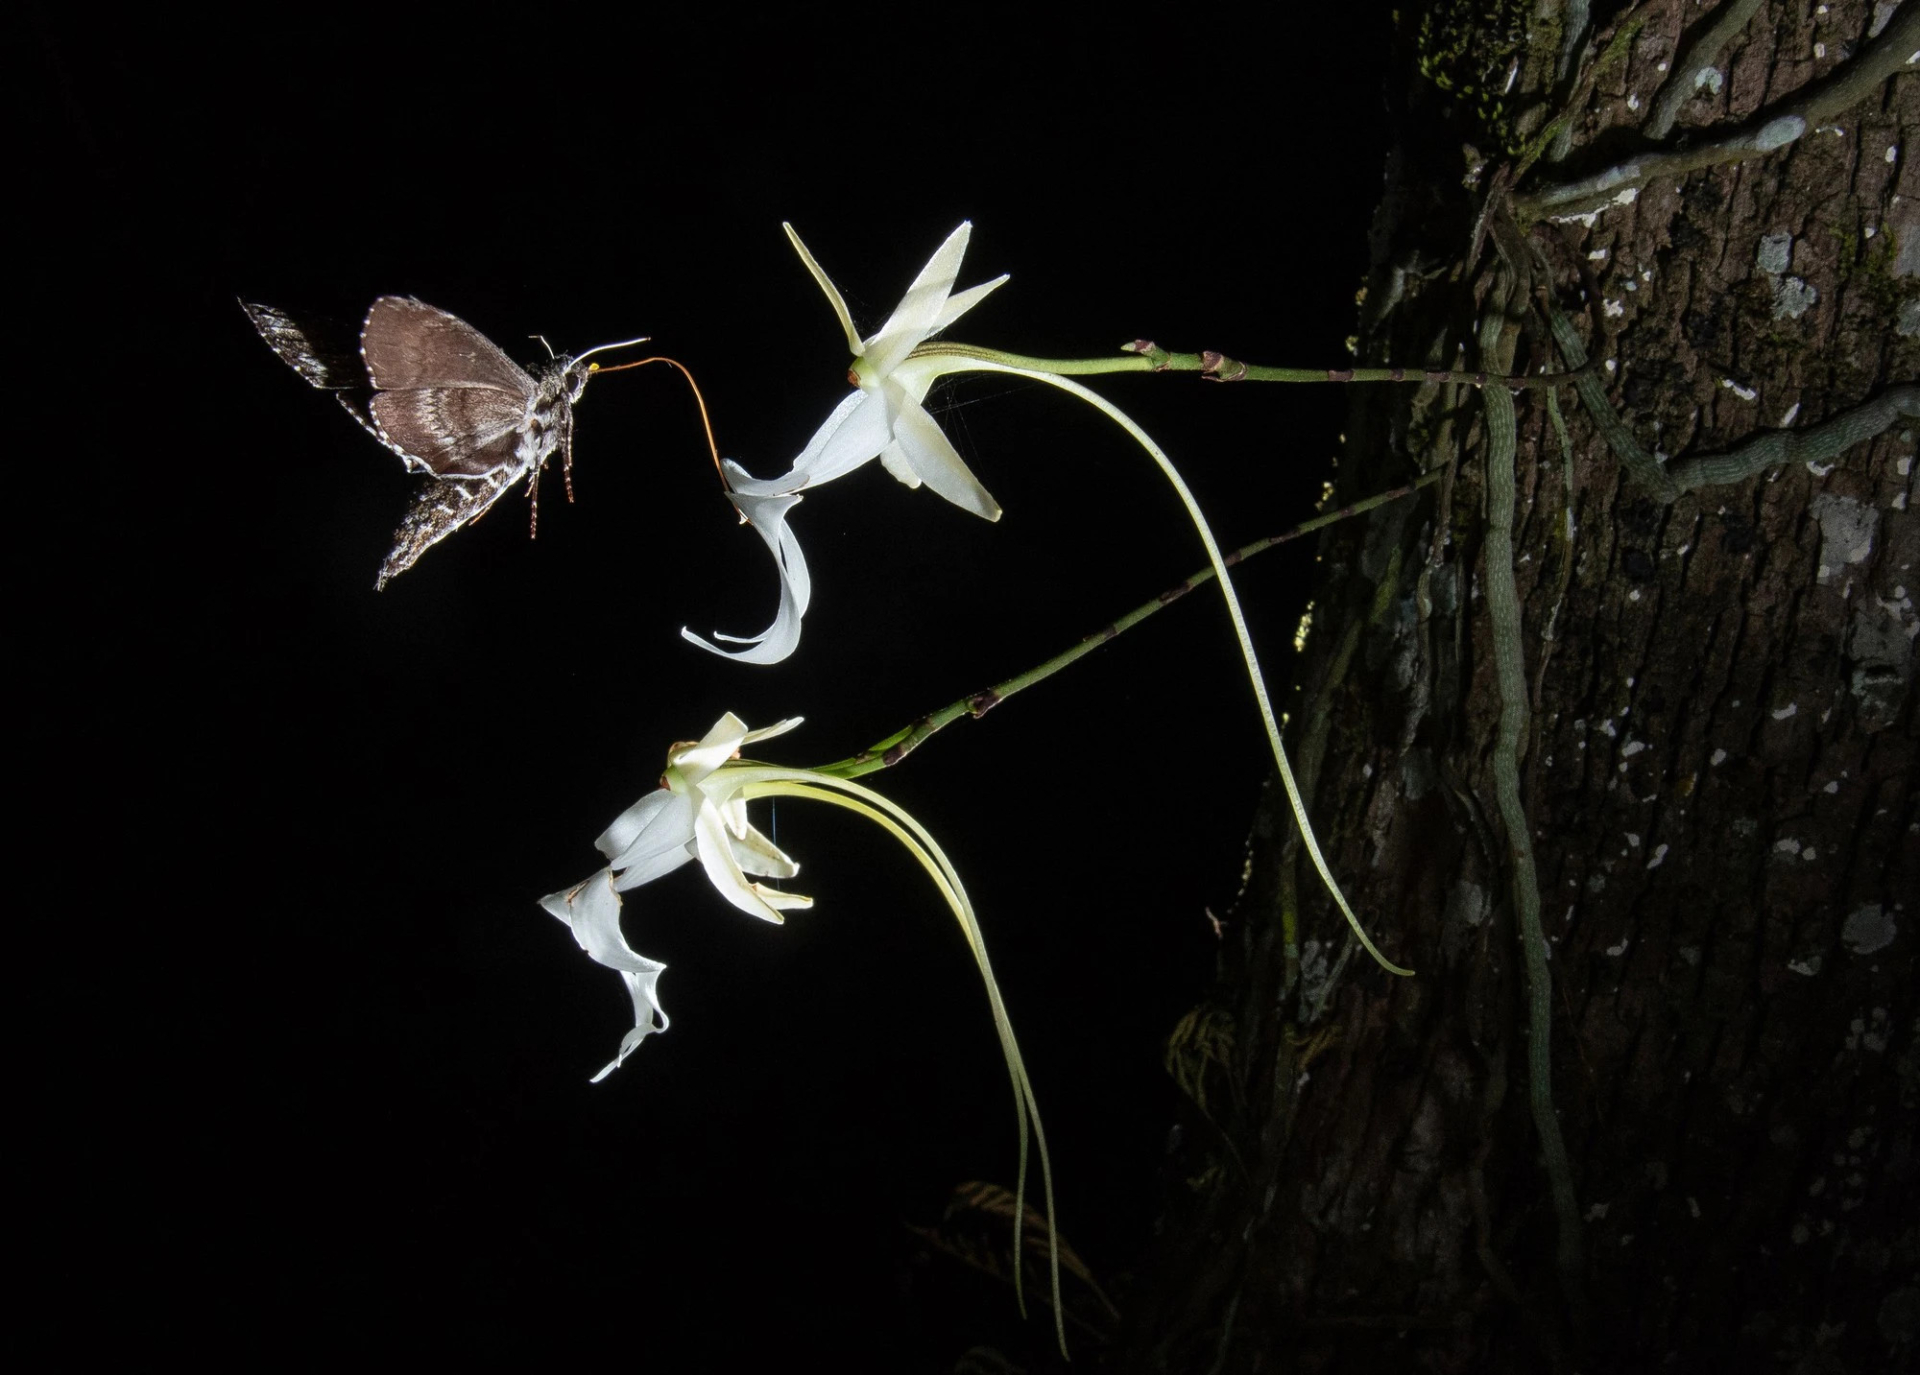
[
  {"x": 450, "y": 431},
  {"x": 439, "y": 507},
  {"x": 408, "y": 343}
]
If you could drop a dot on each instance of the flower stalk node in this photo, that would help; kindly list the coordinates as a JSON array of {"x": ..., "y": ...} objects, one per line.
[
  {"x": 1154, "y": 354},
  {"x": 1220, "y": 368},
  {"x": 983, "y": 702}
]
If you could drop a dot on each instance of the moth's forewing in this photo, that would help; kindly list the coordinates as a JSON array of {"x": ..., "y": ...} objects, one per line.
[{"x": 408, "y": 343}]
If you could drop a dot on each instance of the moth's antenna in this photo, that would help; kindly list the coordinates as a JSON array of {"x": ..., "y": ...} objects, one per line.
[
  {"x": 543, "y": 343},
  {"x": 623, "y": 344}
]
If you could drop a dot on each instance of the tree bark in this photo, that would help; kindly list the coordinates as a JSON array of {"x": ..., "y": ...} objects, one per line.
[{"x": 1714, "y": 731}]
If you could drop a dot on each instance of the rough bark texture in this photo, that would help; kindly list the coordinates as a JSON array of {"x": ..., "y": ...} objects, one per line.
[{"x": 1719, "y": 772}]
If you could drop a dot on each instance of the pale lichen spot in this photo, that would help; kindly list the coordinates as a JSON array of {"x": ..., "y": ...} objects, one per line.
[
  {"x": 1807, "y": 967},
  {"x": 1847, "y": 529},
  {"x": 1793, "y": 298},
  {"x": 1744, "y": 393},
  {"x": 1792, "y": 411},
  {"x": 1868, "y": 929},
  {"x": 1719, "y": 757},
  {"x": 1659, "y": 855},
  {"x": 1775, "y": 254},
  {"x": 1789, "y": 710}
]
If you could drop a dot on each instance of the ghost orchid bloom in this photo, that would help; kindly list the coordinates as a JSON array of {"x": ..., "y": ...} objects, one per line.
[
  {"x": 699, "y": 811},
  {"x": 694, "y": 814},
  {"x": 884, "y": 417}
]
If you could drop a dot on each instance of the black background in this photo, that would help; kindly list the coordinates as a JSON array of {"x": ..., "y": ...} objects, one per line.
[{"x": 305, "y": 1066}]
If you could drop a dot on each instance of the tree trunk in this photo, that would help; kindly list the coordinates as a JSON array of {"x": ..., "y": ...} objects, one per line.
[{"x": 1709, "y": 728}]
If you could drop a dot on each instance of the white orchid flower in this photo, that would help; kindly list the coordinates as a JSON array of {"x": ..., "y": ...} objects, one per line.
[
  {"x": 699, "y": 811},
  {"x": 694, "y": 814},
  {"x": 885, "y": 418}
]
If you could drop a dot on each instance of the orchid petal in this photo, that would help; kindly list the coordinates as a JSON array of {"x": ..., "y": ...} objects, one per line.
[
  {"x": 658, "y": 822},
  {"x": 648, "y": 868},
  {"x": 959, "y": 305},
  {"x": 919, "y": 310},
  {"x": 756, "y": 854},
  {"x": 716, "y": 856},
  {"x": 858, "y": 428},
  {"x": 894, "y": 459},
  {"x": 785, "y": 902},
  {"x": 753, "y": 737},
  {"x": 695, "y": 761},
  {"x": 933, "y": 459},
  {"x": 833, "y": 292}
]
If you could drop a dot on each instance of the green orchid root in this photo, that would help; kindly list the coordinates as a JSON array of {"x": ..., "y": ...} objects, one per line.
[
  {"x": 760, "y": 780},
  {"x": 979, "y": 360}
]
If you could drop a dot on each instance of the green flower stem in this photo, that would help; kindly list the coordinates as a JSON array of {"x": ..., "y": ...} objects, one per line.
[
  {"x": 1219, "y": 565},
  {"x": 1143, "y": 355},
  {"x": 896, "y": 747},
  {"x": 761, "y": 780}
]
